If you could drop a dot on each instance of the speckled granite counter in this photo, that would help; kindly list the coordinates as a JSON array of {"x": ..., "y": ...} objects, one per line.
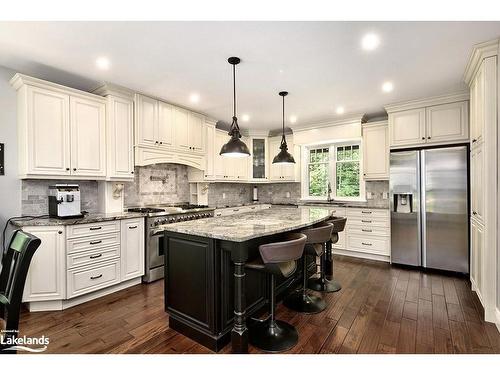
[
  {"x": 89, "y": 218},
  {"x": 246, "y": 226},
  {"x": 382, "y": 206}
]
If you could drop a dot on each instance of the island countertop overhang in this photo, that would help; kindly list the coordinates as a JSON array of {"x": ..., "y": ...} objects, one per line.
[{"x": 247, "y": 226}]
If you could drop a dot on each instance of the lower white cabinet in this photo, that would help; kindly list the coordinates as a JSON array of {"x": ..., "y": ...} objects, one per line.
[
  {"x": 46, "y": 275},
  {"x": 83, "y": 280},
  {"x": 132, "y": 248}
]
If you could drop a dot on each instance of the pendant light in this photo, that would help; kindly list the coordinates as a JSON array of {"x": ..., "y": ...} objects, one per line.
[
  {"x": 235, "y": 148},
  {"x": 283, "y": 157}
]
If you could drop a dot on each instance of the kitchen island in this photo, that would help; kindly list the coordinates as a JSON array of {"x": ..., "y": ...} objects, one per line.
[{"x": 208, "y": 292}]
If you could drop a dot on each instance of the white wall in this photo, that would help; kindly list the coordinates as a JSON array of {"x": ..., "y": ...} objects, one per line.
[{"x": 10, "y": 185}]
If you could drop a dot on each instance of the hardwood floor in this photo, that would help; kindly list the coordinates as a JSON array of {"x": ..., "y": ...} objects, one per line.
[{"x": 380, "y": 309}]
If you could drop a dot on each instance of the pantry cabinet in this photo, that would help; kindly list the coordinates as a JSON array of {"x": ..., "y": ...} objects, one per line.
[
  {"x": 61, "y": 131},
  {"x": 132, "y": 248},
  {"x": 46, "y": 275},
  {"x": 376, "y": 151},
  {"x": 433, "y": 121}
]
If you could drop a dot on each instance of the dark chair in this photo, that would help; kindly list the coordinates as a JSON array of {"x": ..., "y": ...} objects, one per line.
[
  {"x": 15, "y": 265},
  {"x": 301, "y": 300},
  {"x": 321, "y": 282},
  {"x": 279, "y": 258}
]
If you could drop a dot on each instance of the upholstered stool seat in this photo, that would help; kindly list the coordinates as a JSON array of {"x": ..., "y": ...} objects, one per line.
[
  {"x": 301, "y": 300},
  {"x": 279, "y": 258}
]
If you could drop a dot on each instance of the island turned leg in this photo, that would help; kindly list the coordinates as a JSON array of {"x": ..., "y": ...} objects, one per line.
[{"x": 239, "y": 333}]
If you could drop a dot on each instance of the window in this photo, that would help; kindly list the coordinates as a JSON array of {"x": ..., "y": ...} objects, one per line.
[{"x": 338, "y": 165}]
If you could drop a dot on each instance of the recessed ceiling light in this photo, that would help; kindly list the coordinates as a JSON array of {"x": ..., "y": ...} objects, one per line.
[
  {"x": 339, "y": 110},
  {"x": 194, "y": 97},
  {"x": 245, "y": 118},
  {"x": 370, "y": 42},
  {"x": 293, "y": 119},
  {"x": 387, "y": 87},
  {"x": 103, "y": 63},
  {"x": 281, "y": 71}
]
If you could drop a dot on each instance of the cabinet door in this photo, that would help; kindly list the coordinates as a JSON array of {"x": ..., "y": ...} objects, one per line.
[
  {"x": 165, "y": 125},
  {"x": 210, "y": 154},
  {"x": 477, "y": 106},
  {"x": 181, "y": 128},
  {"x": 258, "y": 159},
  {"x": 275, "y": 170},
  {"x": 477, "y": 252},
  {"x": 407, "y": 128},
  {"x": 147, "y": 121},
  {"x": 376, "y": 152},
  {"x": 221, "y": 138},
  {"x": 88, "y": 142},
  {"x": 45, "y": 280},
  {"x": 447, "y": 123},
  {"x": 132, "y": 248},
  {"x": 195, "y": 132},
  {"x": 477, "y": 179},
  {"x": 120, "y": 133},
  {"x": 48, "y": 148}
]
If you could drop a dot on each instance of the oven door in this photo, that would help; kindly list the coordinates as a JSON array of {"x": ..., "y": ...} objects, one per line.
[{"x": 155, "y": 255}]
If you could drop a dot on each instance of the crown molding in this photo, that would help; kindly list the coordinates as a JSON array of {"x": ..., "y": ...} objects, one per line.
[
  {"x": 108, "y": 88},
  {"x": 21, "y": 79},
  {"x": 479, "y": 53},
  {"x": 375, "y": 123},
  {"x": 426, "y": 102},
  {"x": 354, "y": 119}
]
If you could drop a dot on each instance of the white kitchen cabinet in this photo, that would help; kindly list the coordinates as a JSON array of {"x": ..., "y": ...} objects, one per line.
[
  {"x": 165, "y": 132},
  {"x": 46, "y": 275},
  {"x": 88, "y": 137},
  {"x": 209, "y": 173},
  {"x": 120, "y": 138},
  {"x": 132, "y": 248},
  {"x": 376, "y": 151},
  {"x": 477, "y": 181},
  {"x": 282, "y": 172},
  {"x": 447, "y": 122},
  {"x": 407, "y": 128},
  {"x": 146, "y": 122},
  {"x": 258, "y": 161},
  {"x": 44, "y": 132},
  {"x": 189, "y": 130},
  {"x": 477, "y": 266},
  {"x": 477, "y": 107},
  {"x": 195, "y": 132},
  {"x": 181, "y": 129}
]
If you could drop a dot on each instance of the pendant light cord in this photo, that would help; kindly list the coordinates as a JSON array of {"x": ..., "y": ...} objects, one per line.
[
  {"x": 234, "y": 129},
  {"x": 234, "y": 90},
  {"x": 283, "y": 139}
]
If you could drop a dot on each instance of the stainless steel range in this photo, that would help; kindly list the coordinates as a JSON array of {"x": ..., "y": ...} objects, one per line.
[{"x": 156, "y": 216}]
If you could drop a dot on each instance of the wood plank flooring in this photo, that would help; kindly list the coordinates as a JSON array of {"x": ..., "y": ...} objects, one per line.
[{"x": 380, "y": 309}]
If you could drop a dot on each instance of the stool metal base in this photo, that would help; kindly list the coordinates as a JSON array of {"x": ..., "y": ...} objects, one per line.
[
  {"x": 325, "y": 285},
  {"x": 273, "y": 336},
  {"x": 308, "y": 304}
]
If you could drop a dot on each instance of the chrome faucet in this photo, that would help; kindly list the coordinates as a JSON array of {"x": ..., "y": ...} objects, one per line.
[{"x": 329, "y": 196}]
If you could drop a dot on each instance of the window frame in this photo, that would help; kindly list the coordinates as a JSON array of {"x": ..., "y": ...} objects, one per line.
[{"x": 332, "y": 170}]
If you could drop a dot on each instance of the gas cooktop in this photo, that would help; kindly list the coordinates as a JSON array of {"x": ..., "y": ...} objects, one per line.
[{"x": 159, "y": 210}]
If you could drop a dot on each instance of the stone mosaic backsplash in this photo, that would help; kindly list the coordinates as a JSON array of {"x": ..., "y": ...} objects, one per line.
[
  {"x": 35, "y": 196},
  {"x": 157, "y": 184}
]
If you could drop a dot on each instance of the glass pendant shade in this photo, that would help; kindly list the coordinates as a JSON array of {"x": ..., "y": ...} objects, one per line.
[
  {"x": 283, "y": 157},
  {"x": 235, "y": 148}
]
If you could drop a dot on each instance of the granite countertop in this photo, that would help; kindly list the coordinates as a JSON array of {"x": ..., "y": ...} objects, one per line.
[
  {"x": 382, "y": 206},
  {"x": 240, "y": 205},
  {"x": 88, "y": 218},
  {"x": 245, "y": 226}
]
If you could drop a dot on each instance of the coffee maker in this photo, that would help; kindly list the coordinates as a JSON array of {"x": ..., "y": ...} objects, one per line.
[{"x": 64, "y": 201}]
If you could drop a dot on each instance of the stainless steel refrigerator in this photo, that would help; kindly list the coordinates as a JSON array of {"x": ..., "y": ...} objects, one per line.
[{"x": 429, "y": 208}]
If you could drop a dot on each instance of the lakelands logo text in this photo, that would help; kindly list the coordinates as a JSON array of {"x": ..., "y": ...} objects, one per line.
[{"x": 24, "y": 343}]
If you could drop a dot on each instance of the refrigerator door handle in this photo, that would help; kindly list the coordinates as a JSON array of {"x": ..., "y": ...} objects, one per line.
[{"x": 423, "y": 210}]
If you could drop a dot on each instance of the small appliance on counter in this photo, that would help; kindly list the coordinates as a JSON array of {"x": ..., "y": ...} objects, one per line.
[
  {"x": 64, "y": 201},
  {"x": 255, "y": 195}
]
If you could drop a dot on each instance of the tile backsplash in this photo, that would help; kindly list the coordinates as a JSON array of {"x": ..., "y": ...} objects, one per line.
[
  {"x": 35, "y": 201},
  {"x": 157, "y": 184},
  {"x": 377, "y": 189}
]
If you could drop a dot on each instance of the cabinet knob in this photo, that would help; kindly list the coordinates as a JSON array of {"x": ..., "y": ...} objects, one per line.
[
  {"x": 423, "y": 138},
  {"x": 67, "y": 169},
  {"x": 59, "y": 231},
  {"x": 474, "y": 140},
  {"x": 74, "y": 169},
  {"x": 156, "y": 142},
  {"x": 474, "y": 213},
  {"x": 132, "y": 172},
  {"x": 428, "y": 137}
]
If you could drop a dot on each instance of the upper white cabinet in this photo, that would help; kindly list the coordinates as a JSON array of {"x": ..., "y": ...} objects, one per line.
[
  {"x": 439, "y": 120},
  {"x": 165, "y": 133},
  {"x": 88, "y": 137},
  {"x": 61, "y": 131},
  {"x": 376, "y": 151},
  {"x": 283, "y": 172},
  {"x": 259, "y": 166}
]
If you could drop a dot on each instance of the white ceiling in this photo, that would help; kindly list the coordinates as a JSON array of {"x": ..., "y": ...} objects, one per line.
[{"x": 321, "y": 64}]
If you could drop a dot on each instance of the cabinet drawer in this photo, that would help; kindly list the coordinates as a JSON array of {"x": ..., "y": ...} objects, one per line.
[
  {"x": 81, "y": 230},
  {"x": 367, "y": 231},
  {"x": 89, "y": 279},
  {"x": 368, "y": 222},
  {"x": 92, "y": 242},
  {"x": 367, "y": 213},
  {"x": 367, "y": 244},
  {"x": 85, "y": 258}
]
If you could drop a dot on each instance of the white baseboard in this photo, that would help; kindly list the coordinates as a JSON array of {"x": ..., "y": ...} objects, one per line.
[
  {"x": 357, "y": 254},
  {"x": 65, "y": 304}
]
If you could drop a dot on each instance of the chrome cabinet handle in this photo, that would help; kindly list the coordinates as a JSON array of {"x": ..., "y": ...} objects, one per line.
[
  {"x": 95, "y": 242},
  {"x": 132, "y": 227},
  {"x": 95, "y": 277},
  {"x": 95, "y": 228},
  {"x": 367, "y": 230},
  {"x": 95, "y": 256},
  {"x": 366, "y": 243},
  {"x": 366, "y": 212},
  {"x": 236, "y": 209},
  {"x": 474, "y": 140},
  {"x": 366, "y": 221}
]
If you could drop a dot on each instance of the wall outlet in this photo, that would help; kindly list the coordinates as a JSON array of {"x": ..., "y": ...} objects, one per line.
[
  {"x": 287, "y": 194},
  {"x": 223, "y": 195},
  {"x": 369, "y": 195},
  {"x": 385, "y": 195}
]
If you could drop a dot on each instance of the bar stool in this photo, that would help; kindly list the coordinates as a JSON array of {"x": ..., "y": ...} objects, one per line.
[
  {"x": 301, "y": 300},
  {"x": 277, "y": 258},
  {"x": 321, "y": 283}
]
